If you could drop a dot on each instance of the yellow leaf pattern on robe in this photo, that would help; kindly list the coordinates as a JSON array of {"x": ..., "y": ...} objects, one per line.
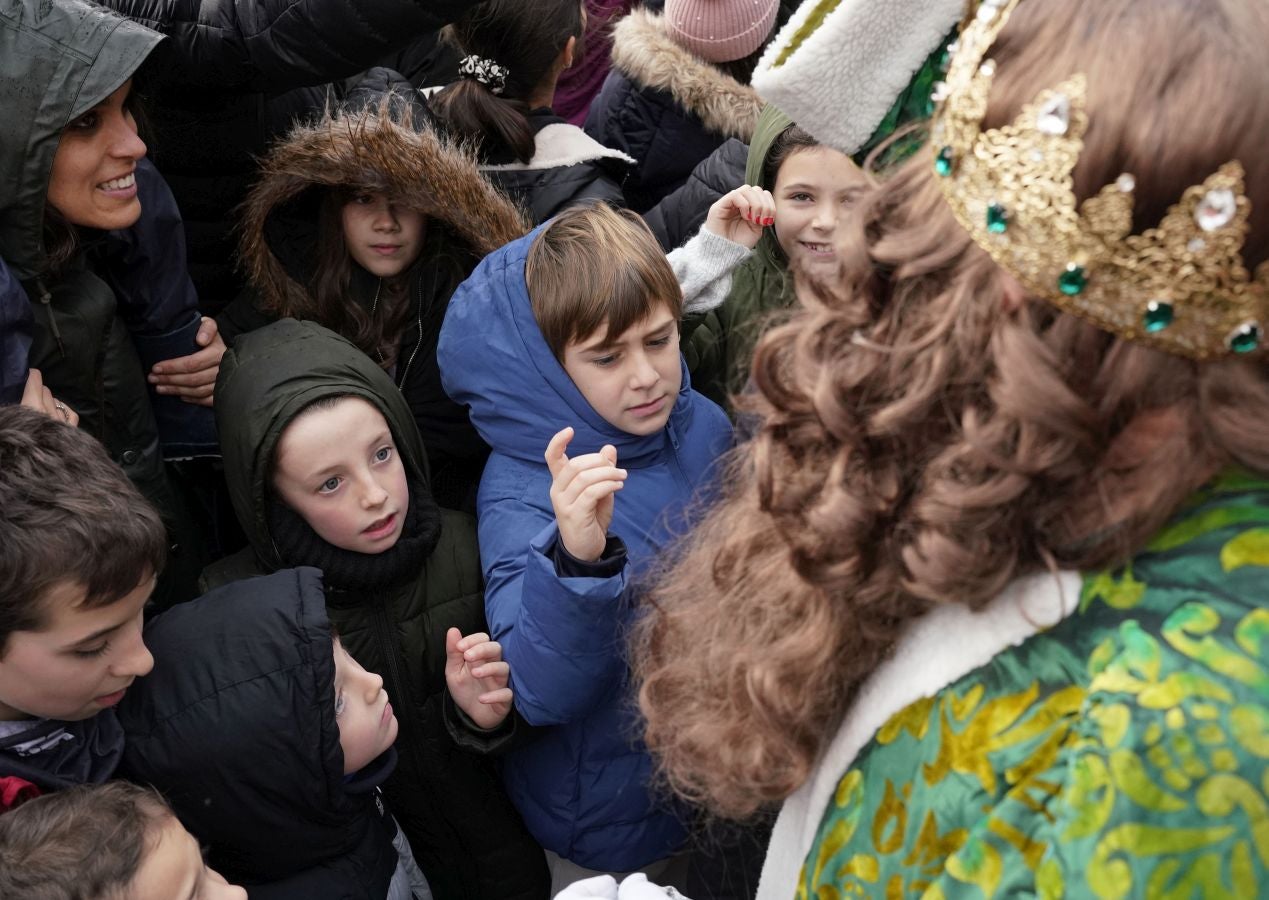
[{"x": 1122, "y": 753}]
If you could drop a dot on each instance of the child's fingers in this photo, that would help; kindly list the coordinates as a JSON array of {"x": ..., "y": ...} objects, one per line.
[
  {"x": 478, "y": 637},
  {"x": 563, "y": 486},
  {"x": 555, "y": 456},
  {"x": 597, "y": 492},
  {"x": 761, "y": 205},
  {"x": 452, "y": 639},
  {"x": 577, "y": 487},
  {"x": 483, "y": 652},
  {"x": 493, "y": 670},
  {"x": 502, "y": 695}
]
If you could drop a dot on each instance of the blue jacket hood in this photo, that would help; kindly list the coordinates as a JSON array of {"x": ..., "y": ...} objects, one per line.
[{"x": 494, "y": 359}]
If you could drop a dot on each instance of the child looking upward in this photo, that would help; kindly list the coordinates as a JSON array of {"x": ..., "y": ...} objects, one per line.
[
  {"x": 566, "y": 342},
  {"x": 271, "y": 741}
]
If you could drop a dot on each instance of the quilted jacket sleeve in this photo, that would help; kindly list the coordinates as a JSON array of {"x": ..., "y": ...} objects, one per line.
[
  {"x": 276, "y": 45},
  {"x": 560, "y": 636},
  {"x": 681, "y": 213}
]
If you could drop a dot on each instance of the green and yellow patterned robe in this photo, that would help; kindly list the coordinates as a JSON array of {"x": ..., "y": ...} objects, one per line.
[{"x": 1122, "y": 753}]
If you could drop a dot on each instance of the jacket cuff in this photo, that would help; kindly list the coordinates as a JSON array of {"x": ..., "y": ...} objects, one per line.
[
  {"x": 610, "y": 562},
  {"x": 470, "y": 736}
]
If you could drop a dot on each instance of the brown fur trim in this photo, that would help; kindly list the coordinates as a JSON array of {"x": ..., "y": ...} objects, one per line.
[
  {"x": 645, "y": 53},
  {"x": 368, "y": 150}
]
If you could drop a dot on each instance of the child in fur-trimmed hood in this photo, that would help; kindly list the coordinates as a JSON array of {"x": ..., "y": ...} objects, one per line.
[{"x": 366, "y": 222}]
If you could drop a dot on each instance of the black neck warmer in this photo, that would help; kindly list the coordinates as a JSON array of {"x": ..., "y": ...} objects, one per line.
[
  {"x": 372, "y": 774},
  {"x": 299, "y": 545}
]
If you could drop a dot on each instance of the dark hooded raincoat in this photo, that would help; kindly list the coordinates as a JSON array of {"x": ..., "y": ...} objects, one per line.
[{"x": 124, "y": 300}]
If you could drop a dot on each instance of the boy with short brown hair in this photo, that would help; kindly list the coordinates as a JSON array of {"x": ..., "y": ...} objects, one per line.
[
  {"x": 79, "y": 552},
  {"x": 566, "y": 341}
]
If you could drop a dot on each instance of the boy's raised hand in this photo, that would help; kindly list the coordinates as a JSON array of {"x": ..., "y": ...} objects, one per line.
[
  {"x": 477, "y": 677},
  {"x": 582, "y": 491},
  {"x": 740, "y": 215}
]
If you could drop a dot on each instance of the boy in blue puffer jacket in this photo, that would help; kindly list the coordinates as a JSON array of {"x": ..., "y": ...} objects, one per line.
[{"x": 566, "y": 341}]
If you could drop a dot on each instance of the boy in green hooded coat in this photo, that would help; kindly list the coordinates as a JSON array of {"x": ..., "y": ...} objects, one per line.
[{"x": 413, "y": 573}]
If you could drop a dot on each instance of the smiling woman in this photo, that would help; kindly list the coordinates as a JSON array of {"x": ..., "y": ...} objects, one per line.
[
  {"x": 94, "y": 239},
  {"x": 93, "y": 181}
]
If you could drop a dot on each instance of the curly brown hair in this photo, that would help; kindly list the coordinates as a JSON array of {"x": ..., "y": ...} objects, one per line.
[{"x": 933, "y": 433}]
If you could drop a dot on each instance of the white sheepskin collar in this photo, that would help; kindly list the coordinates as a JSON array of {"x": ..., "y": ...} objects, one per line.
[
  {"x": 837, "y": 65},
  {"x": 561, "y": 144},
  {"x": 936, "y": 650}
]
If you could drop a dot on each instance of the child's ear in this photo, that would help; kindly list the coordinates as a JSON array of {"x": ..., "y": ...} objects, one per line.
[{"x": 568, "y": 51}]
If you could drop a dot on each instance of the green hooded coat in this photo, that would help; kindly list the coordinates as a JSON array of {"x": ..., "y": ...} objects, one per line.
[
  {"x": 718, "y": 347},
  {"x": 465, "y": 834}
]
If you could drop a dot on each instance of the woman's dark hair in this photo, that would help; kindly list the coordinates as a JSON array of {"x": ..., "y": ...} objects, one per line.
[
  {"x": 374, "y": 328},
  {"x": 523, "y": 36},
  {"x": 59, "y": 238}
]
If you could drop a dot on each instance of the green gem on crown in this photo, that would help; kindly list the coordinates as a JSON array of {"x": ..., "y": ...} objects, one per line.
[
  {"x": 943, "y": 162},
  {"x": 1158, "y": 315},
  {"x": 1245, "y": 338},
  {"x": 1072, "y": 279},
  {"x": 997, "y": 218}
]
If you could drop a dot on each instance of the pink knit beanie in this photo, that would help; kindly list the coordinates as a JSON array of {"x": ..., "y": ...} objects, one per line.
[{"x": 720, "y": 30}]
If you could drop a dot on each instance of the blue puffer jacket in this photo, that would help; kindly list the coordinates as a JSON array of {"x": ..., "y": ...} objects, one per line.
[{"x": 583, "y": 788}]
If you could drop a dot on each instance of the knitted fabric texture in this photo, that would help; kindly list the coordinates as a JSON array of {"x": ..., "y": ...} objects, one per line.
[{"x": 720, "y": 30}]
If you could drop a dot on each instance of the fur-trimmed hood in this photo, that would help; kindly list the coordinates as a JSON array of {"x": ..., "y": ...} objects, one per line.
[
  {"x": 644, "y": 52},
  {"x": 377, "y": 149}
]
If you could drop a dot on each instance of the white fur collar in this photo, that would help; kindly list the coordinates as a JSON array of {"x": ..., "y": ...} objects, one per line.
[
  {"x": 936, "y": 650},
  {"x": 561, "y": 144},
  {"x": 837, "y": 65},
  {"x": 645, "y": 53}
]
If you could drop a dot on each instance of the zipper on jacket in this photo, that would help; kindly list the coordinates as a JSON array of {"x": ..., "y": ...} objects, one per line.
[
  {"x": 397, "y": 686},
  {"x": 47, "y": 299},
  {"x": 417, "y": 344}
]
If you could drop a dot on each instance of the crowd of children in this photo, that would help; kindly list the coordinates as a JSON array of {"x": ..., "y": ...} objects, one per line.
[{"x": 482, "y": 548}]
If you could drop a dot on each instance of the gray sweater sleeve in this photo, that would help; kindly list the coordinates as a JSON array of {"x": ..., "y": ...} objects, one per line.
[{"x": 703, "y": 268}]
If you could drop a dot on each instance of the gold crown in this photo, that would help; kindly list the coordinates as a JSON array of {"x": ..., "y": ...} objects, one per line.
[{"x": 1180, "y": 287}]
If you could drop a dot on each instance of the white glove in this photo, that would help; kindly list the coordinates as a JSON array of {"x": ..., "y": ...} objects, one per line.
[
  {"x": 604, "y": 887},
  {"x": 637, "y": 887}
]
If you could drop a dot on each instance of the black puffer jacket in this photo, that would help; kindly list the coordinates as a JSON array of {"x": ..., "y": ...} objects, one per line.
[
  {"x": 568, "y": 167},
  {"x": 680, "y": 215},
  {"x": 236, "y": 726},
  {"x": 666, "y": 108},
  {"x": 466, "y": 836},
  {"x": 234, "y": 76}
]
